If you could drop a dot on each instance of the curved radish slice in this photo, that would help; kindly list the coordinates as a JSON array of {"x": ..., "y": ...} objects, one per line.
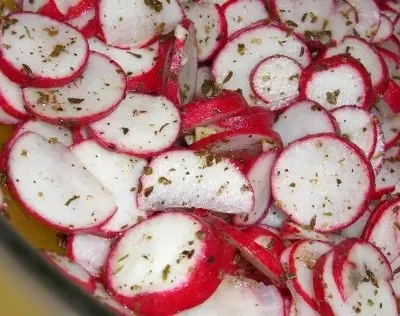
[
  {"x": 183, "y": 178},
  {"x": 205, "y": 85},
  {"x": 48, "y": 54},
  {"x": 302, "y": 258},
  {"x": 358, "y": 126},
  {"x": 259, "y": 176},
  {"x": 266, "y": 237},
  {"x": 86, "y": 23},
  {"x": 303, "y": 118},
  {"x": 336, "y": 81},
  {"x": 180, "y": 84},
  {"x": 322, "y": 181},
  {"x": 104, "y": 298},
  {"x": 72, "y": 270},
  {"x": 389, "y": 121},
  {"x": 210, "y": 24},
  {"x": 275, "y": 80},
  {"x": 7, "y": 119},
  {"x": 135, "y": 62},
  {"x": 240, "y": 296},
  {"x": 395, "y": 265},
  {"x": 51, "y": 132},
  {"x": 388, "y": 177},
  {"x": 234, "y": 63},
  {"x": 165, "y": 265},
  {"x": 240, "y": 14},
  {"x": 89, "y": 98},
  {"x": 253, "y": 121},
  {"x": 11, "y": 99},
  {"x": 390, "y": 13},
  {"x": 396, "y": 28},
  {"x": 392, "y": 45},
  {"x": 201, "y": 112},
  {"x": 292, "y": 231},
  {"x": 355, "y": 230},
  {"x": 57, "y": 189},
  {"x": 58, "y": 9},
  {"x": 248, "y": 140},
  {"x": 90, "y": 252},
  {"x": 378, "y": 156},
  {"x": 136, "y": 28},
  {"x": 142, "y": 125},
  {"x": 382, "y": 229},
  {"x": 121, "y": 179},
  {"x": 368, "y": 57},
  {"x": 368, "y": 18},
  {"x": 341, "y": 22},
  {"x": 274, "y": 218},
  {"x": 384, "y": 31}
]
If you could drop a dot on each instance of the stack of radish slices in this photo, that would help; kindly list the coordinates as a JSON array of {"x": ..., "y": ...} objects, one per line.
[{"x": 221, "y": 158}]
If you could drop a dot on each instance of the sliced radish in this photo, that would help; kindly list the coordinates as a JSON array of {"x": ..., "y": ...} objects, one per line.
[
  {"x": 368, "y": 57},
  {"x": 240, "y": 296},
  {"x": 184, "y": 178},
  {"x": 396, "y": 277},
  {"x": 274, "y": 218},
  {"x": 210, "y": 24},
  {"x": 396, "y": 28},
  {"x": 259, "y": 176},
  {"x": 390, "y": 13},
  {"x": 336, "y": 81},
  {"x": 136, "y": 28},
  {"x": 57, "y": 189},
  {"x": 275, "y": 80},
  {"x": 384, "y": 31},
  {"x": 392, "y": 45},
  {"x": 358, "y": 126},
  {"x": 135, "y": 62},
  {"x": 303, "y": 118},
  {"x": 159, "y": 275},
  {"x": 233, "y": 65},
  {"x": 247, "y": 140},
  {"x": 181, "y": 80},
  {"x": 58, "y": 9},
  {"x": 240, "y": 14},
  {"x": 322, "y": 181},
  {"x": 205, "y": 85},
  {"x": 390, "y": 122},
  {"x": 388, "y": 177},
  {"x": 368, "y": 18},
  {"x": 121, "y": 179},
  {"x": 204, "y": 111},
  {"x": 104, "y": 298},
  {"x": 342, "y": 22},
  {"x": 90, "y": 252},
  {"x": 7, "y": 119},
  {"x": 378, "y": 156},
  {"x": 266, "y": 237},
  {"x": 141, "y": 125},
  {"x": 86, "y": 23},
  {"x": 355, "y": 230},
  {"x": 41, "y": 52},
  {"x": 72, "y": 270}
]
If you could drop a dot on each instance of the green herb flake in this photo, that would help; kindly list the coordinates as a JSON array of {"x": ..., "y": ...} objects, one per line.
[
  {"x": 228, "y": 77},
  {"x": 331, "y": 97},
  {"x": 338, "y": 182},
  {"x": 75, "y": 100},
  {"x": 155, "y": 5},
  {"x": 51, "y": 31},
  {"x": 397, "y": 225},
  {"x": 27, "y": 70},
  {"x": 53, "y": 140},
  {"x": 164, "y": 181},
  {"x": 148, "y": 191},
  {"x": 241, "y": 48},
  {"x": 200, "y": 235},
  {"x": 295, "y": 76},
  {"x": 291, "y": 23},
  {"x": 27, "y": 32},
  {"x": 165, "y": 272},
  {"x": 70, "y": 200},
  {"x": 292, "y": 185},
  {"x": 134, "y": 54},
  {"x": 328, "y": 214},
  {"x": 123, "y": 258},
  {"x": 370, "y": 302},
  {"x": 57, "y": 50},
  {"x": 304, "y": 17},
  {"x": 148, "y": 171},
  {"x": 244, "y": 188},
  {"x": 125, "y": 130}
]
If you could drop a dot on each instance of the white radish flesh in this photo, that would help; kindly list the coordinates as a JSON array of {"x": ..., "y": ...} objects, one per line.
[
  {"x": 11, "y": 98},
  {"x": 384, "y": 31}
]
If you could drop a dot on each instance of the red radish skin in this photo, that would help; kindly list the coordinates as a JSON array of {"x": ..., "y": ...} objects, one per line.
[
  {"x": 389, "y": 121},
  {"x": 266, "y": 238},
  {"x": 58, "y": 9},
  {"x": 392, "y": 44},
  {"x": 337, "y": 93},
  {"x": 87, "y": 99},
  {"x": 176, "y": 285},
  {"x": 65, "y": 66},
  {"x": 253, "y": 121},
  {"x": 7, "y": 119},
  {"x": 86, "y": 23}
]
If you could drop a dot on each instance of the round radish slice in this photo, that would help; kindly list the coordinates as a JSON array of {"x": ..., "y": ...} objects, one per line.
[
  {"x": 368, "y": 18},
  {"x": 336, "y": 81},
  {"x": 301, "y": 119},
  {"x": 388, "y": 177},
  {"x": 384, "y": 31},
  {"x": 141, "y": 125},
  {"x": 86, "y": 23},
  {"x": 205, "y": 85},
  {"x": 369, "y": 58},
  {"x": 210, "y": 24},
  {"x": 72, "y": 270},
  {"x": 392, "y": 45},
  {"x": 104, "y": 298},
  {"x": 274, "y": 218},
  {"x": 89, "y": 98},
  {"x": 275, "y": 80},
  {"x": 165, "y": 265},
  {"x": 122, "y": 180},
  {"x": 58, "y": 9},
  {"x": 378, "y": 156},
  {"x": 240, "y": 14},
  {"x": 54, "y": 187},
  {"x": 358, "y": 126},
  {"x": 240, "y": 296},
  {"x": 90, "y": 252},
  {"x": 322, "y": 181},
  {"x": 41, "y": 52},
  {"x": 184, "y": 178},
  {"x": 233, "y": 65},
  {"x": 259, "y": 176},
  {"x": 126, "y": 28},
  {"x": 389, "y": 121}
]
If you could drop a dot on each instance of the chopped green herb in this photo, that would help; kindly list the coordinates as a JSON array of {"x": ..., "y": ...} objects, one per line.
[
  {"x": 164, "y": 181},
  {"x": 292, "y": 185},
  {"x": 241, "y": 48},
  {"x": 148, "y": 191},
  {"x": 53, "y": 140},
  {"x": 123, "y": 258},
  {"x": 125, "y": 130},
  {"x": 228, "y": 77},
  {"x": 148, "y": 171},
  {"x": 165, "y": 272},
  {"x": 328, "y": 214},
  {"x": 58, "y": 49},
  {"x": 134, "y": 54},
  {"x": 27, "y": 70},
  {"x": 155, "y": 5},
  {"x": 331, "y": 97},
  {"x": 291, "y": 23},
  {"x": 75, "y": 100},
  {"x": 51, "y": 31},
  {"x": 70, "y": 200}
]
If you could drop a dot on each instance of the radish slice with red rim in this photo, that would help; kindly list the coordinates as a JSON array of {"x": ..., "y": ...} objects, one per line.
[
  {"x": 314, "y": 178},
  {"x": 58, "y": 9},
  {"x": 165, "y": 264},
  {"x": 384, "y": 31},
  {"x": 8, "y": 119},
  {"x": 357, "y": 125},
  {"x": 274, "y": 217},
  {"x": 57, "y": 190},
  {"x": 205, "y": 85},
  {"x": 86, "y": 23},
  {"x": 378, "y": 156},
  {"x": 148, "y": 20},
  {"x": 275, "y": 80},
  {"x": 232, "y": 66},
  {"x": 301, "y": 119},
  {"x": 388, "y": 177},
  {"x": 89, "y": 98},
  {"x": 107, "y": 300},
  {"x": 122, "y": 180},
  {"x": 142, "y": 125},
  {"x": 392, "y": 44},
  {"x": 266, "y": 237},
  {"x": 368, "y": 18},
  {"x": 396, "y": 277},
  {"x": 355, "y": 230},
  {"x": 389, "y": 121},
  {"x": 57, "y": 54},
  {"x": 336, "y": 81},
  {"x": 184, "y": 178},
  {"x": 90, "y": 252}
]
